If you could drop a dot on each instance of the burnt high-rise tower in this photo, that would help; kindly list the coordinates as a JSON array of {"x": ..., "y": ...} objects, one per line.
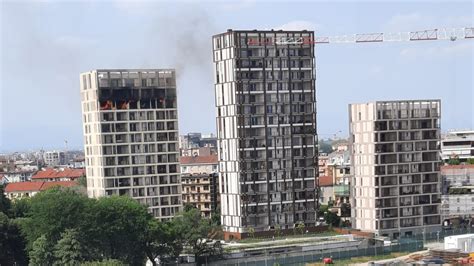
[{"x": 266, "y": 123}]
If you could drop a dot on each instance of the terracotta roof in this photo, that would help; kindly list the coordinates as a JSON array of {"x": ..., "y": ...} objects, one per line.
[
  {"x": 460, "y": 166},
  {"x": 210, "y": 159},
  {"x": 56, "y": 173},
  {"x": 48, "y": 185},
  {"x": 37, "y": 186},
  {"x": 325, "y": 181},
  {"x": 23, "y": 186}
]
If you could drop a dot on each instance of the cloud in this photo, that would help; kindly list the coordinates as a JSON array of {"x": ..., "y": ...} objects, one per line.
[{"x": 299, "y": 25}]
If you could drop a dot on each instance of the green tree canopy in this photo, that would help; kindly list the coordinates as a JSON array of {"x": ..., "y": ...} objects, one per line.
[
  {"x": 4, "y": 201},
  {"x": 12, "y": 244},
  {"x": 118, "y": 226},
  {"x": 194, "y": 232},
  {"x": 41, "y": 252},
  {"x": 53, "y": 211},
  {"x": 68, "y": 251}
]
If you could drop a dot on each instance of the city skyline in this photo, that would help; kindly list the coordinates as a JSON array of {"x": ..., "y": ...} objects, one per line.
[{"x": 40, "y": 43}]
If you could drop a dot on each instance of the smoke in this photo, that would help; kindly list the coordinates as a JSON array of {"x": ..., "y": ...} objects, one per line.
[{"x": 188, "y": 36}]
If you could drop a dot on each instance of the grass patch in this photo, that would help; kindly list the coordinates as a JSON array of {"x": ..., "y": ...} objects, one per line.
[{"x": 363, "y": 259}]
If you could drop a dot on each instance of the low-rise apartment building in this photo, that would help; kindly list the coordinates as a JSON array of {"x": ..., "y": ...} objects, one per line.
[
  {"x": 29, "y": 189},
  {"x": 59, "y": 174},
  {"x": 200, "y": 186},
  {"x": 457, "y": 200},
  {"x": 458, "y": 144}
]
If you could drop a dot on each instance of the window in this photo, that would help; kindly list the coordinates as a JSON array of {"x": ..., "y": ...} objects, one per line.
[{"x": 269, "y": 109}]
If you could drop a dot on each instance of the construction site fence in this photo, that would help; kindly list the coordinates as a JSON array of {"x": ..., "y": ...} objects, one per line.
[{"x": 313, "y": 256}]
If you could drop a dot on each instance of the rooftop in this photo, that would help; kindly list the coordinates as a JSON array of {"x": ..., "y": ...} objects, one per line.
[
  {"x": 37, "y": 186},
  {"x": 325, "y": 181},
  {"x": 460, "y": 166},
  {"x": 59, "y": 173},
  {"x": 210, "y": 159}
]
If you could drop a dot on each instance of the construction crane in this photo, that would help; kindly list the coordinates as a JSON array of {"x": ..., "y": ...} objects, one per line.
[{"x": 452, "y": 34}]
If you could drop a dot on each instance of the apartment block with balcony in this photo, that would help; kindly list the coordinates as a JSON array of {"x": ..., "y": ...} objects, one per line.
[
  {"x": 457, "y": 199},
  {"x": 200, "y": 183},
  {"x": 458, "y": 144},
  {"x": 131, "y": 136},
  {"x": 338, "y": 168},
  {"x": 266, "y": 124},
  {"x": 396, "y": 184}
]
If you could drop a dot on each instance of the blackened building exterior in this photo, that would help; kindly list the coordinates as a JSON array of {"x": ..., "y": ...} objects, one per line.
[{"x": 266, "y": 124}]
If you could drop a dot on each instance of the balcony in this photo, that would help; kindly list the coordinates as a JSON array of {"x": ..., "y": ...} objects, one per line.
[
  {"x": 388, "y": 224},
  {"x": 406, "y": 212},
  {"x": 410, "y": 190},
  {"x": 389, "y": 181},
  {"x": 386, "y": 203},
  {"x": 390, "y": 213},
  {"x": 341, "y": 190},
  {"x": 429, "y": 210},
  {"x": 410, "y": 222},
  {"x": 387, "y": 192}
]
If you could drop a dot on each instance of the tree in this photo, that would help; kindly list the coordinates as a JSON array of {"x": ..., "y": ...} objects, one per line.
[
  {"x": 300, "y": 227},
  {"x": 12, "y": 243},
  {"x": 53, "y": 211},
  {"x": 277, "y": 230},
  {"x": 251, "y": 231},
  {"x": 345, "y": 210},
  {"x": 194, "y": 232},
  {"x": 82, "y": 181},
  {"x": 68, "y": 251},
  {"x": 5, "y": 203},
  {"x": 20, "y": 207},
  {"x": 40, "y": 253},
  {"x": 470, "y": 161},
  {"x": 216, "y": 216},
  {"x": 117, "y": 227},
  {"x": 162, "y": 242},
  {"x": 325, "y": 147},
  {"x": 454, "y": 160},
  {"x": 331, "y": 218}
]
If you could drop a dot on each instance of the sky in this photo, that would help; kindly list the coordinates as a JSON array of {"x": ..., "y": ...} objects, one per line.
[{"x": 45, "y": 45}]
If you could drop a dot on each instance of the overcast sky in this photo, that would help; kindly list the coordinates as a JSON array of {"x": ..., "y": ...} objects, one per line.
[{"x": 45, "y": 45}]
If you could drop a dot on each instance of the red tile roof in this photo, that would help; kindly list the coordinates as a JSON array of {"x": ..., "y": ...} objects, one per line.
[
  {"x": 460, "y": 166},
  {"x": 325, "y": 181},
  {"x": 56, "y": 173},
  {"x": 210, "y": 159},
  {"x": 23, "y": 186},
  {"x": 37, "y": 186},
  {"x": 48, "y": 185}
]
